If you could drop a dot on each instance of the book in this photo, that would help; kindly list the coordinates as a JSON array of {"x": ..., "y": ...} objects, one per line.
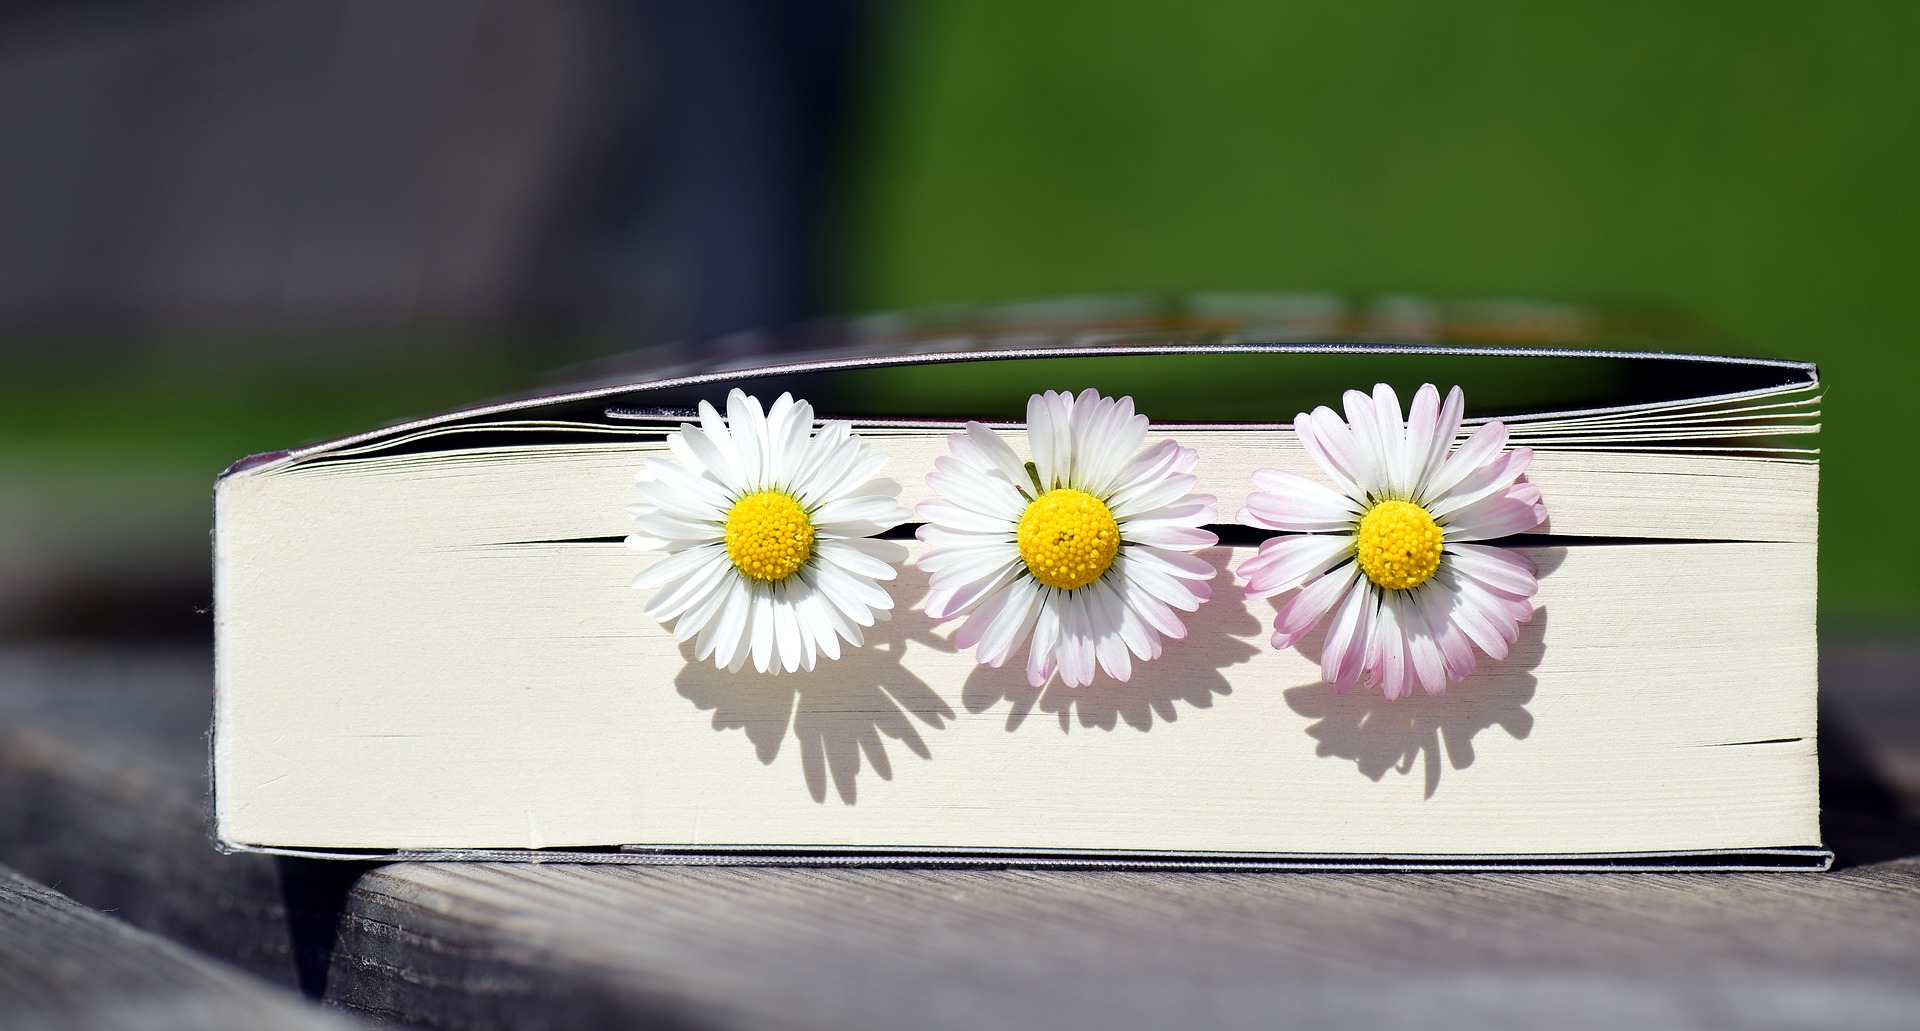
[{"x": 428, "y": 645}]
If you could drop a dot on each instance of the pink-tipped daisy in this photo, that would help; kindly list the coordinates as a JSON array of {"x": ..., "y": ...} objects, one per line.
[
  {"x": 1387, "y": 551},
  {"x": 1086, "y": 549}
]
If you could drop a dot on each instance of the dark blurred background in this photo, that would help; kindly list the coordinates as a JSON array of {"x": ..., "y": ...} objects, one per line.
[{"x": 233, "y": 227}]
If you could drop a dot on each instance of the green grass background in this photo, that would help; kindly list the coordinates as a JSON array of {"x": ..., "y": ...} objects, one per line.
[{"x": 1753, "y": 164}]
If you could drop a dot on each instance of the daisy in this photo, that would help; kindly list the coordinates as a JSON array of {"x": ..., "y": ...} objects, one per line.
[
  {"x": 766, "y": 527},
  {"x": 1085, "y": 549},
  {"x": 1387, "y": 552}
]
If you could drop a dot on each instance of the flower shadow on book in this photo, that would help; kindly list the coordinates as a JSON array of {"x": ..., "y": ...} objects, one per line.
[
  {"x": 1378, "y": 735},
  {"x": 1189, "y": 671},
  {"x": 842, "y": 713}
]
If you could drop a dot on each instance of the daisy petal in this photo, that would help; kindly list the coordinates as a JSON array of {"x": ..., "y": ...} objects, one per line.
[
  {"x": 1153, "y": 580},
  {"x": 724, "y": 636},
  {"x": 1345, "y": 648},
  {"x": 675, "y": 490},
  {"x": 1284, "y": 563},
  {"x": 826, "y": 440},
  {"x": 975, "y": 489},
  {"x": 1106, "y": 433},
  {"x": 1374, "y": 476},
  {"x": 1156, "y": 534},
  {"x": 1367, "y": 640},
  {"x": 1455, "y": 648},
  {"x": 1503, "y": 515},
  {"x": 1423, "y": 649},
  {"x": 1156, "y": 614},
  {"x": 1480, "y": 448},
  {"x": 1315, "y": 500},
  {"x": 788, "y": 430},
  {"x": 871, "y": 509},
  {"x": 676, "y": 598},
  {"x": 1392, "y": 434},
  {"x": 852, "y": 559},
  {"x": 1302, "y": 612},
  {"x": 1496, "y": 567},
  {"x": 1076, "y": 649},
  {"x": 865, "y": 466},
  {"x": 731, "y": 472},
  {"x": 1050, "y": 435},
  {"x": 1175, "y": 563},
  {"x": 786, "y": 630},
  {"x": 1330, "y": 444},
  {"x": 829, "y": 468},
  {"x": 956, "y": 564},
  {"x": 817, "y": 626},
  {"x": 1423, "y": 419},
  {"x": 1475, "y": 612},
  {"x": 984, "y": 449},
  {"x": 857, "y": 596},
  {"x": 1107, "y": 614},
  {"x": 1014, "y": 623},
  {"x": 847, "y": 630},
  {"x": 1285, "y": 501},
  {"x": 889, "y": 553},
  {"x": 1497, "y": 475},
  {"x": 679, "y": 565},
  {"x": 1193, "y": 511},
  {"x": 697, "y": 452},
  {"x": 669, "y": 527},
  {"x": 748, "y": 424},
  {"x": 761, "y": 629},
  {"x": 1135, "y": 633},
  {"x": 1045, "y": 641},
  {"x": 1446, "y": 427},
  {"x": 1149, "y": 481},
  {"x": 949, "y": 515},
  {"x": 1391, "y": 660}
]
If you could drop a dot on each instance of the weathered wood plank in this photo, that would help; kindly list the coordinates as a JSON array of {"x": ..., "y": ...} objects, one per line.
[
  {"x": 1877, "y": 686},
  {"x": 103, "y": 795},
  {"x": 883, "y": 948},
  {"x": 65, "y": 966},
  {"x": 478, "y": 945}
]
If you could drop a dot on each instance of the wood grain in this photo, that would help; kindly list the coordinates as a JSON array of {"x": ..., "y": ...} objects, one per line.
[
  {"x": 65, "y": 966},
  {"x": 868, "y": 948},
  {"x": 103, "y": 791}
]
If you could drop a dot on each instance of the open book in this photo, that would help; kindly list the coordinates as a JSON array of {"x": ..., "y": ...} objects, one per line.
[{"x": 428, "y": 645}]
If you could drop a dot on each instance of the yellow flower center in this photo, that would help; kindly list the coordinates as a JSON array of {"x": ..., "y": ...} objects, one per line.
[
  {"x": 1068, "y": 538},
  {"x": 769, "y": 536},
  {"x": 1399, "y": 545}
]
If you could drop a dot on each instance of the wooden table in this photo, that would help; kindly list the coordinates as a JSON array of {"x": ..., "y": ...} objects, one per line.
[
  {"x": 63, "y": 965},
  {"x": 102, "y": 793}
]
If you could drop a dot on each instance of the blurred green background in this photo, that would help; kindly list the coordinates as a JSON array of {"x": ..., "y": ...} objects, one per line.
[
  {"x": 1750, "y": 164},
  {"x": 1753, "y": 164}
]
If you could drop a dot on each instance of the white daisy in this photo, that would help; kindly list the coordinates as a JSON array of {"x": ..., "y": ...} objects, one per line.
[
  {"x": 767, "y": 531},
  {"x": 1085, "y": 549},
  {"x": 1387, "y": 552}
]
